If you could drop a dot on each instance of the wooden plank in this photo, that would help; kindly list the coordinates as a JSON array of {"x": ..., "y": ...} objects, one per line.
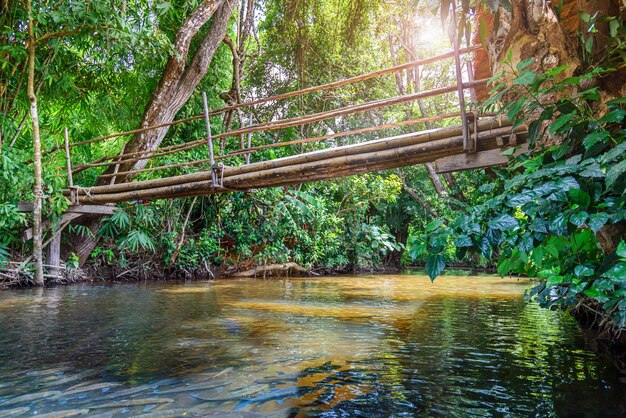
[
  {"x": 27, "y": 235},
  {"x": 104, "y": 210},
  {"x": 53, "y": 255},
  {"x": 25, "y": 206},
  {"x": 469, "y": 161}
]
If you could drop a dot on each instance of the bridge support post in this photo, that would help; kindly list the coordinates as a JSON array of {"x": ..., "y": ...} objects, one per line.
[
  {"x": 249, "y": 140},
  {"x": 53, "y": 255},
  {"x": 68, "y": 162},
  {"x": 214, "y": 179},
  {"x": 467, "y": 143}
]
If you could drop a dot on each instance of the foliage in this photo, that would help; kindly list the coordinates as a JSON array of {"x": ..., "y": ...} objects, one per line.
[{"x": 550, "y": 218}]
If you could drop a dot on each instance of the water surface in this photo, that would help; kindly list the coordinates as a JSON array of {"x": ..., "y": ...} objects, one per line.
[{"x": 370, "y": 345}]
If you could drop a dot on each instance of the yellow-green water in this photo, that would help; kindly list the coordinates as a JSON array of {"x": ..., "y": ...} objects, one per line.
[{"x": 367, "y": 345}]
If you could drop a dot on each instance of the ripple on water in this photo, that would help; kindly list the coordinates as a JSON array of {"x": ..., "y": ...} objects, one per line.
[{"x": 334, "y": 346}]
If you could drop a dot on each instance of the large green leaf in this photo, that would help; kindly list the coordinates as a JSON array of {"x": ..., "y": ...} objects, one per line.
[
  {"x": 597, "y": 221},
  {"x": 504, "y": 222},
  {"x": 615, "y": 173},
  {"x": 526, "y": 77},
  {"x": 435, "y": 264},
  {"x": 561, "y": 121}
]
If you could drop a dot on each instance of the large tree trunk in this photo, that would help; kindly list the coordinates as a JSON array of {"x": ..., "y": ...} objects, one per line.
[
  {"x": 179, "y": 80},
  {"x": 531, "y": 30}
]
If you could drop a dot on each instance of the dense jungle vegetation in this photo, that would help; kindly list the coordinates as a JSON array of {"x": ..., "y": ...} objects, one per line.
[{"x": 556, "y": 213}]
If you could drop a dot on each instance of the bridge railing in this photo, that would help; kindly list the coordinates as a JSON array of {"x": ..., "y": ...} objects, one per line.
[{"x": 126, "y": 158}]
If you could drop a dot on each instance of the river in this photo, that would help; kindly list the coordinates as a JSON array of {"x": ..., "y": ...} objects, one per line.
[{"x": 366, "y": 345}]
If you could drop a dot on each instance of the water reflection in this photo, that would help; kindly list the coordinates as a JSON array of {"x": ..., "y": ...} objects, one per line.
[{"x": 336, "y": 346}]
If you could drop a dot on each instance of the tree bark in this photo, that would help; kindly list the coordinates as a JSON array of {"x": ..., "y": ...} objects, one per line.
[
  {"x": 454, "y": 187},
  {"x": 38, "y": 189},
  {"x": 532, "y": 30},
  {"x": 178, "y": 82},
  {"x": 419, "y": 200}
]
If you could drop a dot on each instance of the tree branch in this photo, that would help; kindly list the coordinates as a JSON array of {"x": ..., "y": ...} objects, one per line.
[{"x": 61, "y": 34}]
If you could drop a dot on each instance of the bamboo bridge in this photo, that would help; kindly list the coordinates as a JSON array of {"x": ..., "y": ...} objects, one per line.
[{"x": 477, "y": 141}]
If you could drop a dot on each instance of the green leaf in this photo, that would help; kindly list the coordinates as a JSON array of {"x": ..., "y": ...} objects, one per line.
[
  {"x": 621, "y": 249},
  {"x": 416, "y": 250},
  {"x": 583, "y": 271},
  {"x": 614, "y": 154},
  {"x": 597, "y": 221},
  {"x": 518, "y": 200},
  {"x": 579, "y": 218},
  {"x": 579, "y": 197},
  {"x": 535, "y": 130},
  {"x": 433, "y": 225},
  {"x": 614, "y": 116},
  {"x": 561, "y": 121},
  {"x": 525, "y": 78},
  {"x": 516, "y": 108},
  {"x": 435, "y": 264},
  {"x": 613, "y": 26},
  {"x": 538, "y": 256},
  {"x": 503, "y": 222},
  {"x": 595, "y": 137},
  {"x": 617, "y": 273},
  {"x": 589, "y": 45},
  {"x": 592, "y": 171},
  {"x": 509, "y": 152},
  {"x": 504, "y": 267},
  {"x": 615, "y": 173},
  {"x": 483, "y": 32},
  {"x": 463, "y": 241},
  {"x": 523, "y": 64}
]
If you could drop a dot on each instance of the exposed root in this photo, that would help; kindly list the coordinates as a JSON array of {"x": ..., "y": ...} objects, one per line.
[{"x": 271, "y": 269}]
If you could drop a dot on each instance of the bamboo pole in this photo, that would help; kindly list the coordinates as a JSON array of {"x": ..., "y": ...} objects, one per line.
[
  {"x": 490, "y": 124},
  {"x": 68, "y": 160},
  {"x": 324, "y": 169},
  {"x": 250, "y": 150},
  {"x": 209, "y": 139},
  {"x": 249, "y": 140},
  {"x": 467, "y": 146}
]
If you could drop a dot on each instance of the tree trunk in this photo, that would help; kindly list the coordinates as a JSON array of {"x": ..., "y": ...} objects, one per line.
[
  {"x": 178, "y": 82},
  {"x": 38, "y": 189},
  {"x": 419, "y": 200},
  {"x": 532, "y": 30},
  {"x": 454, "y": 187},
  {"x": 436, "y": 180}
]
